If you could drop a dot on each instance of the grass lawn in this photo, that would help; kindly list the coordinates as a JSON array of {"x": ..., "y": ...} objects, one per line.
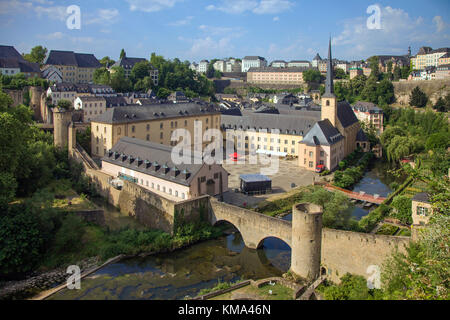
[
  {"x": 387, "y": 230},
  {"x": 279, "y": 292},
  {"x": 404, "y": 233},
  {"x": 281, "y": 205}
]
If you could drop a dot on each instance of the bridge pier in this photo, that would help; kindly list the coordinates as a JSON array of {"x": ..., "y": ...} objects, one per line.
[{"x": 306, "y": 240}]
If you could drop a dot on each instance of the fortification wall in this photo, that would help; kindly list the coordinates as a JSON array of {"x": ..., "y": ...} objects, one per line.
[
  {"x": 434, "y": 89},
  {"x": 353, "y": 252}
]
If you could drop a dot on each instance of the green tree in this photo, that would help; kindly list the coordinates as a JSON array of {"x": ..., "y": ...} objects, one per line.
[
  {"x": 339, "y": 73},
  {"x": 312, "y": 76},
  {"x": 102, "y": 76},
  {"x": 397, "y": 73},
  {"x": 107, "y": 62},
  {"x": 423, "y": 271},
  {"x": 210, "y": 72},
  {"x": 374, "y": 66},
  {"x": 122, "y": 54},
  {"x": 418, "y": 98},
  {"x": 65, "y": 104},
  {"x": 440, "y": 140},
  {"x": 118, "y": 80},
  {"x": 37, "y": 55},
  {"x": 402, "y": 206}
]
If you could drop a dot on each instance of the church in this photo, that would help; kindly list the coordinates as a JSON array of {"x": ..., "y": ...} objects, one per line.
[{"x": 336, "y": 135}]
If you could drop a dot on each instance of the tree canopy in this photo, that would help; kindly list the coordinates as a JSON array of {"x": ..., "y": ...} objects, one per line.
[{"x": 37, "y": 55}]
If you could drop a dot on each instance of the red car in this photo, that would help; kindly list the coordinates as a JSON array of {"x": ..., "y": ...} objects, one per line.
[{"x": 320, "y": 168}]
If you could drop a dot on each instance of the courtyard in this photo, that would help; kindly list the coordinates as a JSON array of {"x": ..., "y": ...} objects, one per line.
[{"x": 288, "y": 177}]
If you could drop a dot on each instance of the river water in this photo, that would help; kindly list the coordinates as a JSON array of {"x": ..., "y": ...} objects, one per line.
[{"x": 183, "y": 273}]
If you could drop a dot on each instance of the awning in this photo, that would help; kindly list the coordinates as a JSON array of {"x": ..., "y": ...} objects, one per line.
[{"x": 272, "y": 153}]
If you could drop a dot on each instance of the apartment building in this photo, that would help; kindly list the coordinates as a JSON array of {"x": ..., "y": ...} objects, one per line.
[
  {"x": 257, "y": 132},
  {"x": 128, "y": 64},
  {"x": 355, "y": 71},
  {"x": 220, "y": 65},
  {"x": 12, "y": 63},
  {"x": 70, "y": 91},
  {"x": 427, "y": 57},
  {"x": 203, "y": 66},
  {"x": 279, "y": 64},
  {"x": 149, "y": 165},
  {"x": 315, "y": 61},
  {"x": 91, "y": 106},
  {"x": 154, "y": 123},
  {"x": 299, "y": 64},
  {"x": 271, "y": 75},
  {"x": 369, "y": 113},
  {"x": 76, "y": 68},
  {"x": 253, "y": 62}
]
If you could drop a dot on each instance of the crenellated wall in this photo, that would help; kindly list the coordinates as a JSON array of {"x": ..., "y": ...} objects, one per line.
[{"x": 353, "y": 252}]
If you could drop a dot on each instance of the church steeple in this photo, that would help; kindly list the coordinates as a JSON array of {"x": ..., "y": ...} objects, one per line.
[
  {"x": 329, "y": 85},
  {"x": 329, "y": 100}
]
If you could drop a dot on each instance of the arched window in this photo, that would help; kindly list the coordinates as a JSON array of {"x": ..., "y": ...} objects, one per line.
[{"x": 328, "y": 103}]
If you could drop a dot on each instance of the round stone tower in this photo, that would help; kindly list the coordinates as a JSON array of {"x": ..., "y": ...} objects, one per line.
[
  {"x": 306, "y": 240},
  {"x": 35, "y": 101},
  {"x": 61, "y": 120}
]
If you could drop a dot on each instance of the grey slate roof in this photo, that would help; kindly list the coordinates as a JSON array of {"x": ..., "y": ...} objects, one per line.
[
  {"x": 23, "y": 65},
  {"x": 361, "y": 136},
  {"x": 287, "y": 124},
  {"x": 253, "y": 58},
  {"x": 153, "y": 112},
  {"x": 127, "y": 63},
  {"x": 367, "y": 107},
  {"x": 323, "y": 133},
  {"x": 70, "y": 58},
  {"x": 345, "y": 114},
  {"x": 422, "y": 197},
  {"x": 10, "y": 52},
  {"x": 151, "y": 158}
]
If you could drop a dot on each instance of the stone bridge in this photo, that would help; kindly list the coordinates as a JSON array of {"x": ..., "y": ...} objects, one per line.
[
  {"x": 315, "y": 250},
  {"x": 254, "y": 227}
]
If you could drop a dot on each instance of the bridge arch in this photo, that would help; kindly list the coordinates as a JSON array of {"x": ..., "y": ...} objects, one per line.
[{"x": 253, "y": 226}]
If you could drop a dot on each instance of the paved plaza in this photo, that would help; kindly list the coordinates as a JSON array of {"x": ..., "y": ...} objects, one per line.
[{"x": 288, "y": 173}]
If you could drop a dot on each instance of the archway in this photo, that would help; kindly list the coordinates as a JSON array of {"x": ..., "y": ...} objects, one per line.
[
  {"x": 211, "y": 188},
  {"x": 234, "y": 238},
  {"x": 276, "y": 252}
]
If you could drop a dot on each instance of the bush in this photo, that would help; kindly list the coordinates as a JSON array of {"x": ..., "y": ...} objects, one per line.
[
  {"x": 352, "y": 287},
  {"x": 402, "y": 206}
]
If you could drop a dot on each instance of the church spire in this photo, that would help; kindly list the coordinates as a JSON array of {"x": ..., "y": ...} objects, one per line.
[{"x": 329, "y": 86}]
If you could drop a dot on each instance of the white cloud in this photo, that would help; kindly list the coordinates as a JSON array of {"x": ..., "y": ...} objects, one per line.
[
  {"x": 276, "y": 19},
  {"x": 151, "y": 5},
  {"x": 57, "y": 13},
  {"x": 103, "y": 16},
  {"x": 52, "y": 36},
  {"x": 398, "y": 31},
  {"x": 183, "y": 22},
  {"x": 272, "y": 6},
  {"x": 440, "y": 24},
  {"x": 255, "y": 6},
  {"x": 14, "y": 6}
]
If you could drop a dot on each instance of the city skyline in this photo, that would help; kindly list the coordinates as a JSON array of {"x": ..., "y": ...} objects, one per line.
[{"x": 196, "y": 30}]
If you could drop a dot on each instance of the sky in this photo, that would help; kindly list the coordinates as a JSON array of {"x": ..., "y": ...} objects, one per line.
[{"x": 206, "y": 29}]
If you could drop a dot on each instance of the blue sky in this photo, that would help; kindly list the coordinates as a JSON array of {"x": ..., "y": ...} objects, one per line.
[{"x": 206, "y": 29}]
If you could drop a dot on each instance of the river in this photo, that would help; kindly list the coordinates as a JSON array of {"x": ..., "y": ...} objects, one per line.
[{"x": 183, "y": 273}]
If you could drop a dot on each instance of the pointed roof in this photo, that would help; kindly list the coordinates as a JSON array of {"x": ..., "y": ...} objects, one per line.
[
  {"x": 329, "y": 86},
  {"x": 317, "y": 57},
  {"x": 323, "y": 133}
]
